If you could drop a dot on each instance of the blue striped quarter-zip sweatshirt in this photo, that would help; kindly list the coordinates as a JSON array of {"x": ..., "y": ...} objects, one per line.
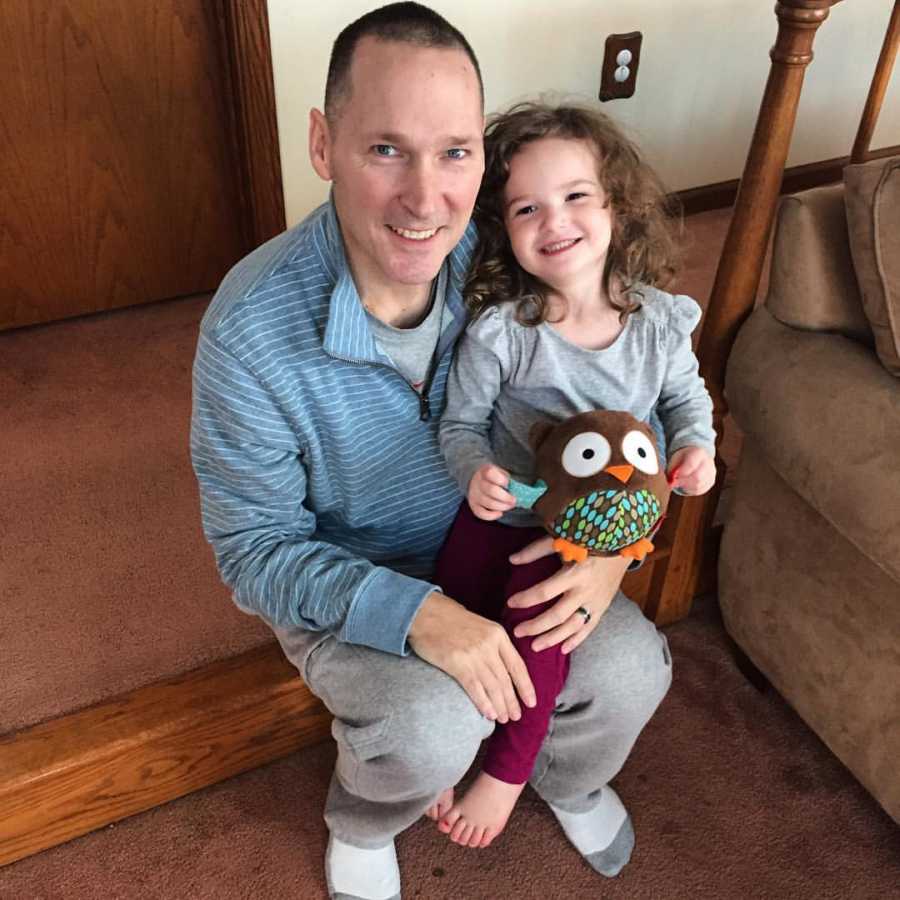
[{"x": 323, "y": 491}]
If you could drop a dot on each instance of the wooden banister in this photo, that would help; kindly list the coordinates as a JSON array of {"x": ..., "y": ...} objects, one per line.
[
  {"x": 878, "y": 88},
  {"x": 736, "y": 283}
]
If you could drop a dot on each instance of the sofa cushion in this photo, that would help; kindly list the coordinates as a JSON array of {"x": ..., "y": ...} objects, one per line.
[
  {"x": 812, "y": 284},
  {"x": 873, "y": 215},
  {"x": 827, "y": 417}
]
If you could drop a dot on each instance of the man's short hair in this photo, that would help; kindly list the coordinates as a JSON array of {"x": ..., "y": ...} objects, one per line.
[{"x": 408, "y": 23}]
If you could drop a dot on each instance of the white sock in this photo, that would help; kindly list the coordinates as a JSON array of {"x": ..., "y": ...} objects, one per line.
[
  {"x": 594, "y": 831},
  {"x": 367, "y": 874}
]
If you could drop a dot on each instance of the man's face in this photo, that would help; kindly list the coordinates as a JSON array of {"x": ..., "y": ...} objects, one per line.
[{"x": 405, "y": 156}]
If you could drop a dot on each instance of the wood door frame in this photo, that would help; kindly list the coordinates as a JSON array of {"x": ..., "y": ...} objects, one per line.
[{"x": 253, "y": 123}]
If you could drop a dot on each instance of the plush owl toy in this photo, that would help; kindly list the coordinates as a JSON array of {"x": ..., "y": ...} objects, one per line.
[{"x": 601, "y": 489}]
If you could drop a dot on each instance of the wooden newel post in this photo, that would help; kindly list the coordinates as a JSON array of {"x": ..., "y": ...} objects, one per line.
[
  {"x": 737, "y": 279},
  {"x": 740, "y": 266}
]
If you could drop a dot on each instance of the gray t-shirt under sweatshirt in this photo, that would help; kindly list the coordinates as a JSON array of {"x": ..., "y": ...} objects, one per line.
[
  {"x": 507, "y": 376},
  {"x": 412, "y": 350}
]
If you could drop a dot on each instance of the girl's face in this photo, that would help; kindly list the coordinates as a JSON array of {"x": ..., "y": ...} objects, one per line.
[{"x": 557, "y": 214}]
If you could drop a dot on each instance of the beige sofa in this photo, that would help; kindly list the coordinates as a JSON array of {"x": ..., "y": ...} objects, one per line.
[{"x": 809, "y": 572}]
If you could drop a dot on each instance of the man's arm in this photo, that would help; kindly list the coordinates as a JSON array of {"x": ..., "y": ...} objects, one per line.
[
  {"x": 252, "y": 488},
  {"x": 253, "y": 484}
]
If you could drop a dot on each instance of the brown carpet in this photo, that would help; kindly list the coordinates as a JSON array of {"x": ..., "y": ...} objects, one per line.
[{"x": 733, "y": 798}]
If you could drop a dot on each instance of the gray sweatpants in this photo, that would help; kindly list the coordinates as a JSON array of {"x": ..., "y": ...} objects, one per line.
[{"x": 406, "y": 731}]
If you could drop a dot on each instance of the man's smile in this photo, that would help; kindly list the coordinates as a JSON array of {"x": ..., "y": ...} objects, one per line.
[{"x": 413, "y": 235}]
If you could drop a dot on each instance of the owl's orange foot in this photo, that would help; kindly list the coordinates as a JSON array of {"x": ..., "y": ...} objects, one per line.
[
  {"x": 638, "y": 550},
  {"x": 570, "y": 552}
]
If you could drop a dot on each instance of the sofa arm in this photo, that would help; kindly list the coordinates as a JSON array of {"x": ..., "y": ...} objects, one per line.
[
  {"x": 826, "y": 415},
  {"x": 812, "y": 284}
]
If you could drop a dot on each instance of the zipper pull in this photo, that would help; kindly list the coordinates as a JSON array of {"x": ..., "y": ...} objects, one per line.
[{"x": 424, "y": 408}]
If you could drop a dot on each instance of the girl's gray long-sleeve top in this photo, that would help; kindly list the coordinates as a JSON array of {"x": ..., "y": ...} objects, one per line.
[{"x": 507, "y": 376}]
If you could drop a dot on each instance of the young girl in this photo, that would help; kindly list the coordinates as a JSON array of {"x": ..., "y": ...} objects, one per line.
[{"x": 568, "y": 317}]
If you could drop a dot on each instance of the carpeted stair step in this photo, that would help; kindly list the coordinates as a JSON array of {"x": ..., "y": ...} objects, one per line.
[{"x": 107, "y": 581}]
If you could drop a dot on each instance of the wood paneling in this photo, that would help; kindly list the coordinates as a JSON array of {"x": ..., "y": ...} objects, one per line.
[
  {"x": 253, "y": 118},
  {"x": 118, "y": 184}
]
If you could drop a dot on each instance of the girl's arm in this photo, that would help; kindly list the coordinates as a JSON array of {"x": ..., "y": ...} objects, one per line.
[
  {"x": 685, "y": 407},
  {"x": 480, "y": 367}
]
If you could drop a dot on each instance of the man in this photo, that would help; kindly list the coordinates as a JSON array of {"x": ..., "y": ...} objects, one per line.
[{"x": 319, "y": 380}]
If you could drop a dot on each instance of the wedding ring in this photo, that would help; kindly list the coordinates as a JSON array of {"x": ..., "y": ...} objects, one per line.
[{"x": 584, "y": 614}]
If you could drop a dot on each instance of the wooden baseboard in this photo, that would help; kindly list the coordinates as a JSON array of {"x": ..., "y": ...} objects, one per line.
[
  {"x": 64, "y": 778},
  {"x": 796, "y": 178}
]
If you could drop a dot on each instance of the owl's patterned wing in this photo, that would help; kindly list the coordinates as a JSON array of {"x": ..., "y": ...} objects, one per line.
[{"x": 607, "y": 521}]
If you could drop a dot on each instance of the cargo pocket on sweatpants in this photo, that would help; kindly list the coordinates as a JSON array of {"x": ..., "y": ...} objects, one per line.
[
  {"x": 364, "y": 741},
  {"x": 358, "y": 744}
]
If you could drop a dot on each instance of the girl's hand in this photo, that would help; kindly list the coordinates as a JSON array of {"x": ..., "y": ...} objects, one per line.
[
  {"x": 487, "y": 494},
  {"x": 589, "y": 586},
  {"x": 692, "y": 471}
]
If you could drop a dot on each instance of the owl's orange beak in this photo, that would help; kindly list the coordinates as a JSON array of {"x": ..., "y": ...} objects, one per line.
[{"x": 623, "y": 473}]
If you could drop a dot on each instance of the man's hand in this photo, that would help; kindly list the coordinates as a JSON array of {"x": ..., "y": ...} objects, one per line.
[
  {"x": 692, "y": 471},
  {"x": 487, "y": 494},
  {"x": 476, "y": 652},
  {"x": 589, "y": 585}
]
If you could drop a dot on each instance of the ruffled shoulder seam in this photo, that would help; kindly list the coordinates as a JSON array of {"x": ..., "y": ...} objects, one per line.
[{"x": 676, "y": 312}]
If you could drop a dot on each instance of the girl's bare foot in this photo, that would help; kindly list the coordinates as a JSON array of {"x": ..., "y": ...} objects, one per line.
[
  {"x": 441, "y": 806},
  {"x": 481, "y": 815}
]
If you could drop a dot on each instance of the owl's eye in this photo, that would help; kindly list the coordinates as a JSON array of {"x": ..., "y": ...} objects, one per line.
[
  {"x": 586, "y": 454},
  {"x": 638, "y": 449}
]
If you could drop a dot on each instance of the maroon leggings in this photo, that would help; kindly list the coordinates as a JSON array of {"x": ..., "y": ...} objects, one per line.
[{"x": 474, "y": 568}]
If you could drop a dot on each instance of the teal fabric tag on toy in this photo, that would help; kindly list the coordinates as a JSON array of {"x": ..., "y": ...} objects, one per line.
[{"x": 527, "y": 494}]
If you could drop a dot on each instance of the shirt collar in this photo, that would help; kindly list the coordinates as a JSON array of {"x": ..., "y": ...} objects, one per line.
[{"x": 347, "y": 332}]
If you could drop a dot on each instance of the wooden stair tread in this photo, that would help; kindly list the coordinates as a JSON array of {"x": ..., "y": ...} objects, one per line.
[{"x": 63, "y": 778}]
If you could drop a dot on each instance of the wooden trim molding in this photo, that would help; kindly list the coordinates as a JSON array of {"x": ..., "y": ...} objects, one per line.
[
  {"x": 797, "y": 178},
  {"x": 254, "y": 123},
  {"x": 64, "y": 778}
]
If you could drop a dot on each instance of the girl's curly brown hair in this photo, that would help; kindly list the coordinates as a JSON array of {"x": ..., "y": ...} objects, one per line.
[{"x": 642, "y": 248}]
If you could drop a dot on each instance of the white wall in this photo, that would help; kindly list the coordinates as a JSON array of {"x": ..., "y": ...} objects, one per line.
[{"x": 703, "y": 69}]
